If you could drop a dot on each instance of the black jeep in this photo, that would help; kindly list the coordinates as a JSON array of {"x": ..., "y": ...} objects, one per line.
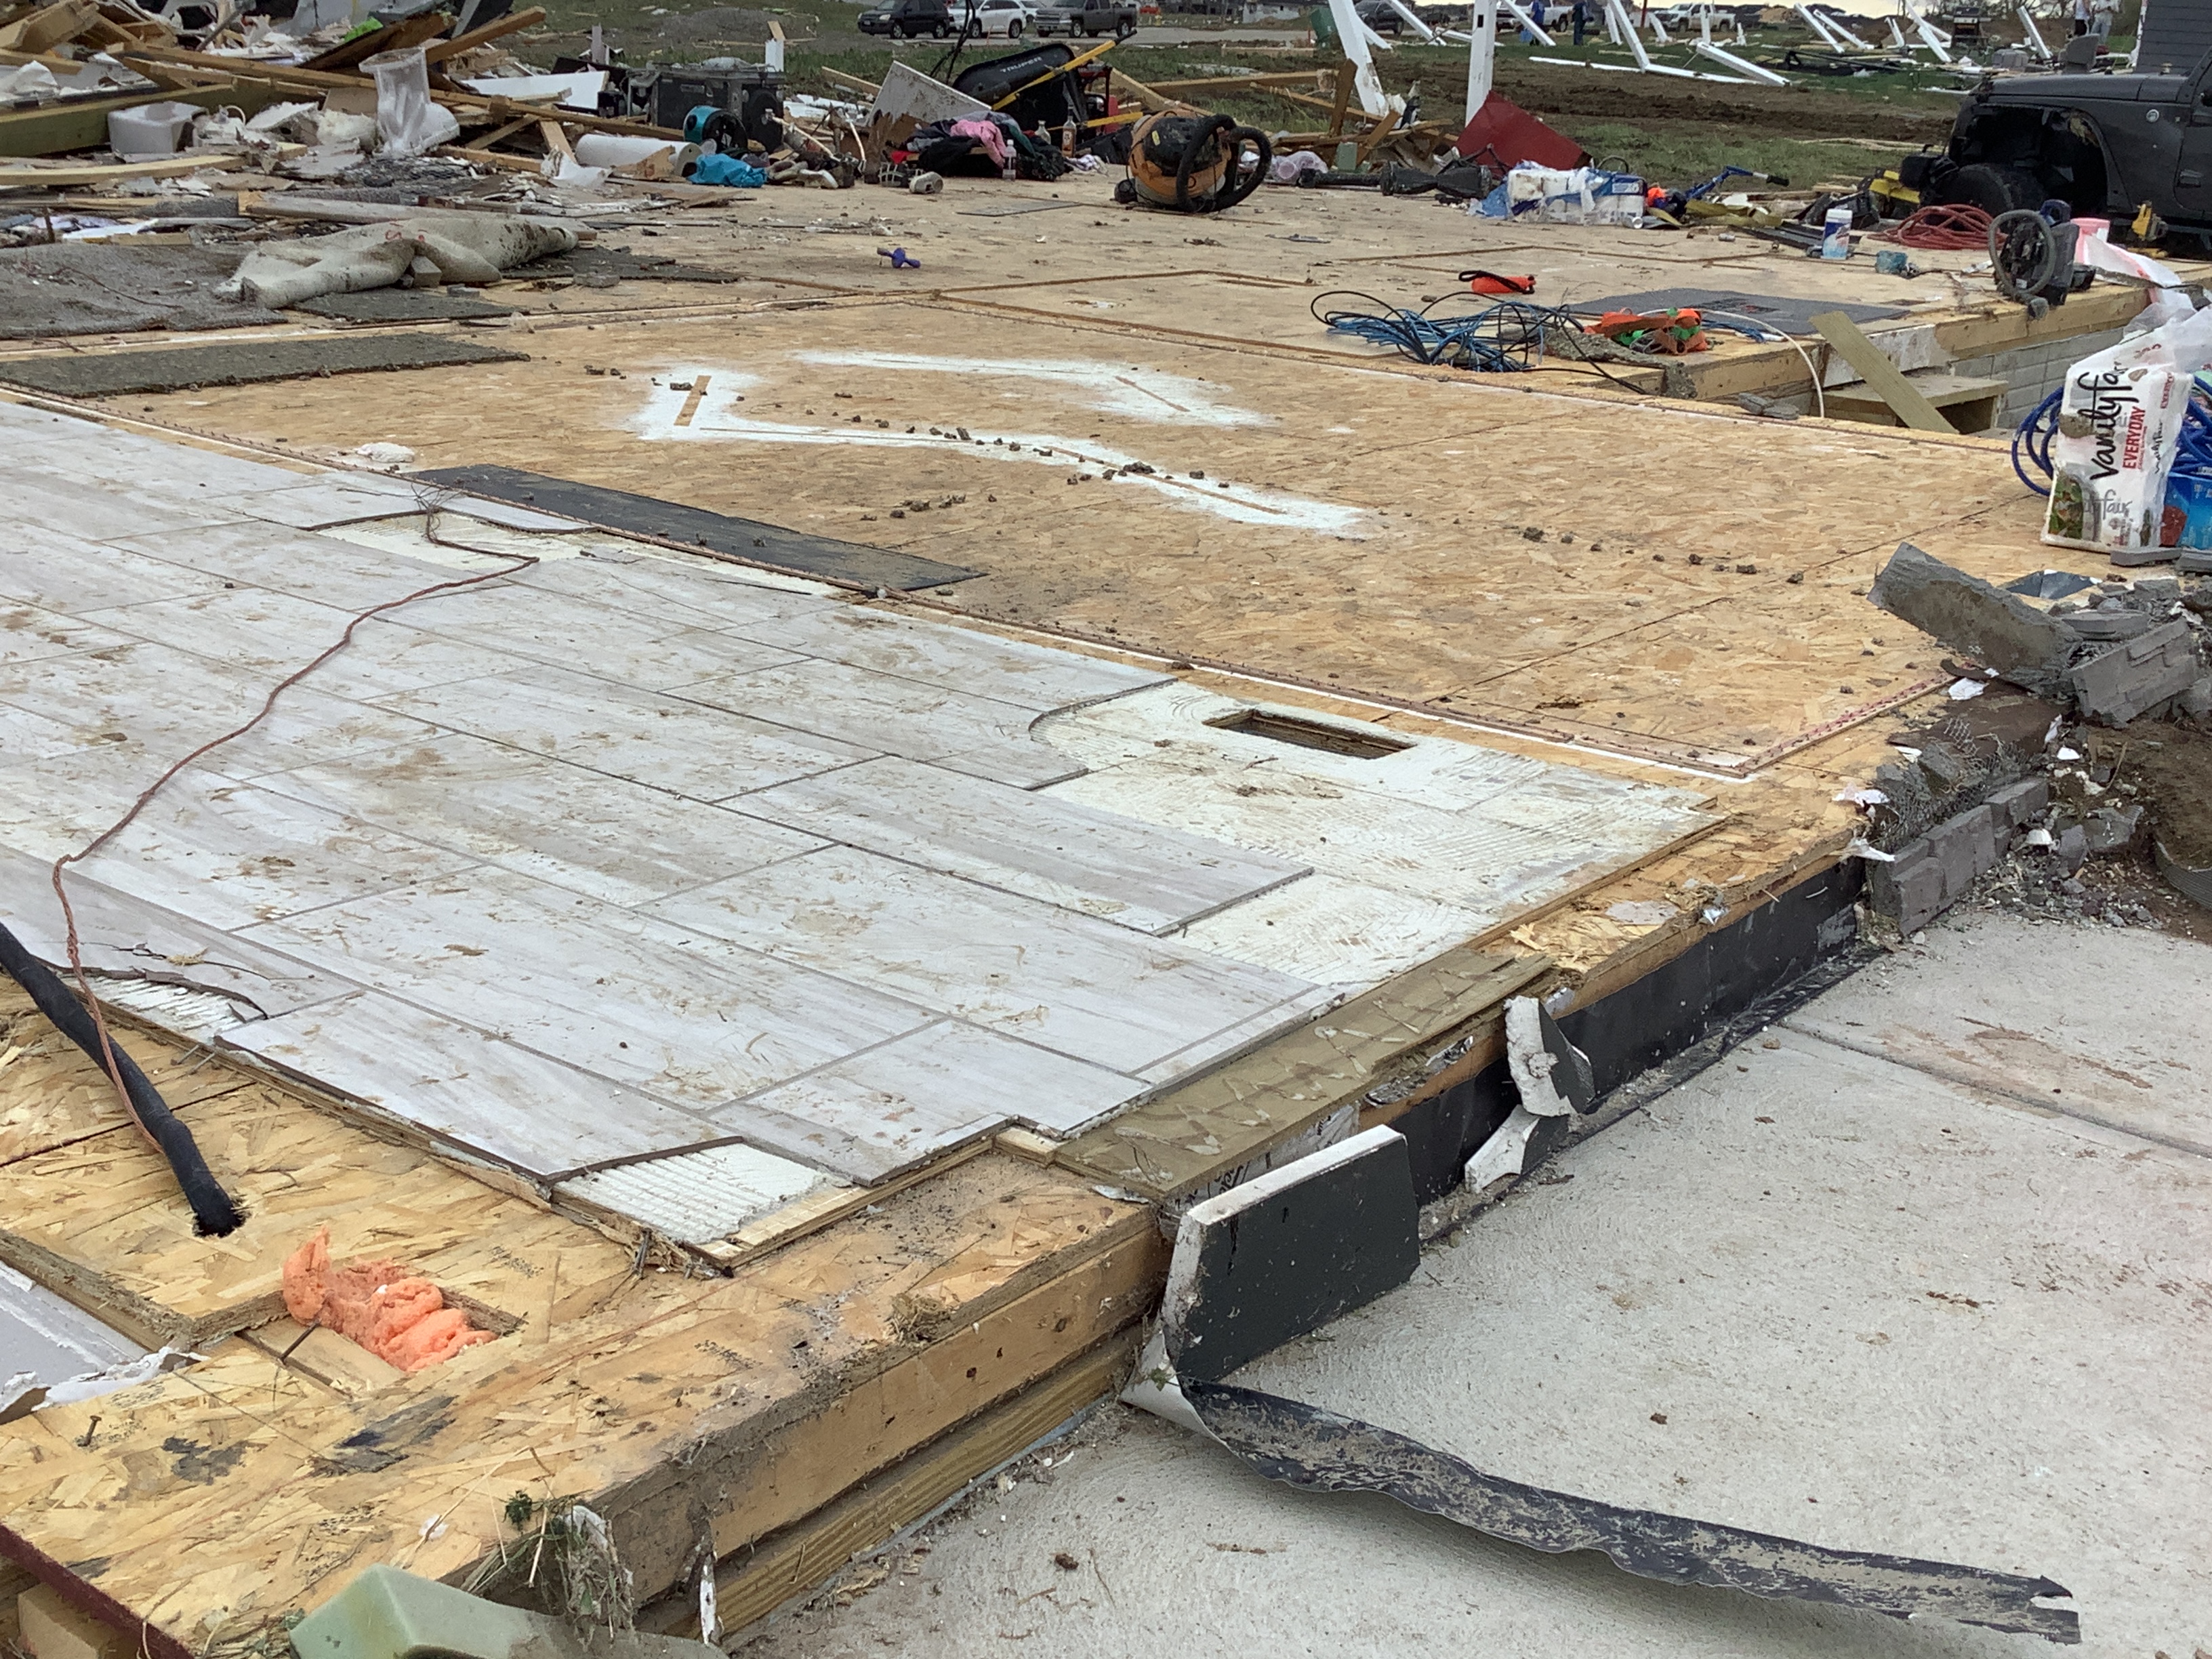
[{"x": 2103, "y": 144}]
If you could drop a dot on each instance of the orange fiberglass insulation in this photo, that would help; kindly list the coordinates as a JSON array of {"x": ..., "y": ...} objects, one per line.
[{"x": 400, "y": 1318}]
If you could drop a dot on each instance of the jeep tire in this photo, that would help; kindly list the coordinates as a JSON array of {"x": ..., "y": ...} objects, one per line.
[{"x": 1993, "y": 189}]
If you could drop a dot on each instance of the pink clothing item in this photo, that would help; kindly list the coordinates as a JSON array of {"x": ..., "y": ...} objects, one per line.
[{"x": 987, "y": 134}]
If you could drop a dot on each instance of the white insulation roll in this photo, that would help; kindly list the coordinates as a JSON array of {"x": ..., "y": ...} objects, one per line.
[{"x": 620, "y": 150}]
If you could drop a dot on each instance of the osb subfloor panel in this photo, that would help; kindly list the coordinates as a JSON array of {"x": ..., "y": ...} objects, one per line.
[
  {"x": 1481, "y": 549},
  {"x": 215, "y": 1500}
]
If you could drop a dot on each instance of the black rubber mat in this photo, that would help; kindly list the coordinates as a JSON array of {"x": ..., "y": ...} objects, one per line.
[
  {"x": 1789, "y": 316},
  {"x": 787, "y": 550},
  {"x": 114, "y": 373},
  {"x": 619, "y": 264},
  {"x": 404, "y": 305},
  {"x": 118, "y": 288}
]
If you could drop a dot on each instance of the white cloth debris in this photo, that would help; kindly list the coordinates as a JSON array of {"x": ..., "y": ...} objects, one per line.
[
  {"x": 1962, "y": 689},
  {"x": 463, "y": 248}
]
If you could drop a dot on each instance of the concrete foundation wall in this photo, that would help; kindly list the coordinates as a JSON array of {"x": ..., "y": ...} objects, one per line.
[{"x": 2033, "y": 371}]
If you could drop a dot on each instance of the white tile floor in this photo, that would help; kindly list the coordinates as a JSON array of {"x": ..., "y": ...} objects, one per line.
[{"x": 631, "y": 852}]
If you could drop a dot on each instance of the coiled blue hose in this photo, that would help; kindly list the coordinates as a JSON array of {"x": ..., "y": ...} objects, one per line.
[{"x": 2192, "y": 452}]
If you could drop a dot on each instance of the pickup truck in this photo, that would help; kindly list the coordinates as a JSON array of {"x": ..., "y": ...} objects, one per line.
[{"x": 1115, "y": 17}]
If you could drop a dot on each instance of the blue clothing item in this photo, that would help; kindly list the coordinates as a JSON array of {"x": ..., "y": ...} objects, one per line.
[{"x": 729, "y": 170}]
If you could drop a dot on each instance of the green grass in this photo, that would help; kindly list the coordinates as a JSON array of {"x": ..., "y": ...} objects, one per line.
[
  {"x": 1673, "y": 152},
  {"x": 1682, "y": 155}
]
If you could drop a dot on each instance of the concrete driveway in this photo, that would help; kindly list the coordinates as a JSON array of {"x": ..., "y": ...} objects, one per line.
[{"x": 1927, "y": 1269}]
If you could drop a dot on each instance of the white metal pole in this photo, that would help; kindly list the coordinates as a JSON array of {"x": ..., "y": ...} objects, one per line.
[
  {"x": 1744, "y": 66},
  {"x": 1481, "y": 56},
  {"x": 1819, "y": 25},
  {"x": 1617, "y": 9},
  {"x": 1428, "y": 35},
  {"x": 1526, "y": 18}
]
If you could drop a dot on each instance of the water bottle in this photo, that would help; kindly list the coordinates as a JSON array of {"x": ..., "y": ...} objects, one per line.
[{"x": 1835, "y": 234}]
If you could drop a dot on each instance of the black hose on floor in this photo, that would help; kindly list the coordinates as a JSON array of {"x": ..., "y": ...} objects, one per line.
[{"x": 212, "y": 1208}]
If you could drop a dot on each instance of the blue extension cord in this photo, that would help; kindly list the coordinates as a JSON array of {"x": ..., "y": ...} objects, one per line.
[
  {"x": 1501, "y": 338},
  {"x": 2192, "y": 453}
]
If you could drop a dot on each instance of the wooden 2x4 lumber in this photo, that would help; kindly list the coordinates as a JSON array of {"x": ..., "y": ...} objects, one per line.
[
  {"x": 390, "y": 37},
  {"x": 58, "y": 129},
  {"x": 1852, "y": 345},
  {"x": 754, "y": 1583},
  {"x": 1301, "y": 78},
  {"x": 284, "y": 77},
  {"x": 512, "y": 22},
  {"x": 50, "y": 26}
]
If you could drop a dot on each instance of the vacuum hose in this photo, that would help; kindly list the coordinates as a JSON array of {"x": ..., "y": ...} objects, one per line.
[
  {"x": 1223, "y": 136},
  {"x": 212, "y": 1208}
]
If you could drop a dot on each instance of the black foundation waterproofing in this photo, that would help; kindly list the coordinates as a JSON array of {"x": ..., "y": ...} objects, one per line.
[
  {"x": 1316, "y": 1450},
  {"x": 1259, "y": 1265},
  {"x": 1698, "y": 995},
  {"x": 212, "y": 1208}
]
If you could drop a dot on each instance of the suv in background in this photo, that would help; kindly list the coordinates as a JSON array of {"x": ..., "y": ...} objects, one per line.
[
  {"x": 1011, "y": 18},
  {"x": 2103, "y": 144},
  {"x": 904, "y": 19},
  {"x": 1115, "y": 17}
]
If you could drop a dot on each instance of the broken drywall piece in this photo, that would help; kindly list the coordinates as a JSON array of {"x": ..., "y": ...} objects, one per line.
[
  {"x": 1999, "y": 629},
  {"x": 1553, "y": 1076},
  {"x": 1280, "y": 1256},
  {"x": 1316, "y": 1450},
  {"x": 1509, "y": 1149},
  {"x": 1554, "y": 1080}
]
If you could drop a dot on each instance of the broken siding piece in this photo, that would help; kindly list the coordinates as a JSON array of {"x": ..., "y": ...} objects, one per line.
[
  {"x": 1317, "y": 1450},
  {"x": 1095, "y": 862},
  {"x": 462, "y": 1087},
  {"x": 1281, "y": 1256}
]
